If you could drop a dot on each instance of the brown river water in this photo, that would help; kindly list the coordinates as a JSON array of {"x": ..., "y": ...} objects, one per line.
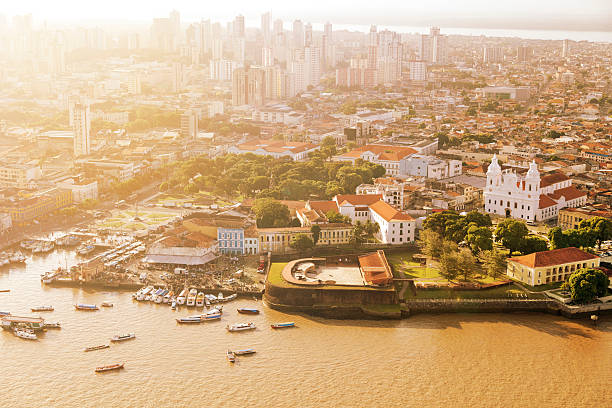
[{"x": 452, "y": 360}]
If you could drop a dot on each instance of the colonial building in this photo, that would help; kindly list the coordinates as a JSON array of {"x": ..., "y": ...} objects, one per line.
[
  {"x": 531, "y": 197},
  {"x": 550, "y": 266},
  {"x": 295, "y": 150},
  {"x": 571, "y": 217}
]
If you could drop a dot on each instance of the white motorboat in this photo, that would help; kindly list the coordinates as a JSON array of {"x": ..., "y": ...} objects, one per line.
[
  {"x": 17, "y": 257},
  {"x": 200, "y": 300},
  {"x": 220, "y": 297},
  {"x": 53, "y": 325},
  {"x": 173, "y": 304},
  {"x": 191, "y": 298},
  {"x": 228, "y": 298},
  {"x": 240, "y": 327},
  {"x": 25, "y": 334},
  {"x": 182, "y": 297}
]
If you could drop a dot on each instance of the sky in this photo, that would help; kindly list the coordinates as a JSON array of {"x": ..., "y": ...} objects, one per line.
[{"x": 578, "y": 15}]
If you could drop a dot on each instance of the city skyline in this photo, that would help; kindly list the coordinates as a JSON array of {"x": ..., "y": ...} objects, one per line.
[{"x": 590, "y": 15}]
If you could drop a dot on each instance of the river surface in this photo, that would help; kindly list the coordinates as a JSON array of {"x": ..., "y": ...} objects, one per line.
[{"x": 484, "y": 360}]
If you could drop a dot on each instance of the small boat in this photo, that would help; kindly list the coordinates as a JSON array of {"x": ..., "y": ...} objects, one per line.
[
  {"x": 220, "y": 297},
  {"x": 109, "y": 368},
  {"x": 81, "y": 306},
  {"x": 200, "y": 300},
  {"x": 230, "y": 297},
  {"x": 85, "y": 249},
  {"x": 189, "y": 320},
  {"x": 181, "y": 297},
  {"x": 191, "y": 298},
  {"x": 5, "y": 313},
  {"x": 123, "y": 337},
  {"x": 244, "y": 352},
  {"x": 107, "y": 303},
  {"x": 246, "y": 310},
  {"x": 53, "y": 325},
  {"x": 240, "y": 327},
  {"x": 100, "y": 347},
  {"x": 25, "y": 334},
  {"x": 173, "y": 307},
  {"x": 282, "y": 325},
  {"x": 211, "y": 298},
  {"x": 216, "y": 310},
  {"x": 231, "y": 356},
  {"x": 207, "y": 317},
  {"x": 43, "y": 309},
  {"x": 17, "y": 257},
  {"x": 169, "y": 297}
]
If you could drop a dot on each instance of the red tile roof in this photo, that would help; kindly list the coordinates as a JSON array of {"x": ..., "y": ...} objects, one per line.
[
  {"x": 546, "y": 201},
  {"x": 323, "y": 206},
  {"x": 570, "y": 193},
  {"x": 376, "y": 270},
  {"x": 358, "y": 199},
  {"x": 389, "y": 213},
  {"x": 384, "y": 152},
  {"x": 552, "y": 178},
  {"x": 554, "y": 257}
]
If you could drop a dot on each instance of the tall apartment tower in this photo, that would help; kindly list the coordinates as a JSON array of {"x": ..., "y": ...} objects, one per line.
[
  {"x": 523, "y": 53},
  {"x": 81, "y": 128},
  {"x": 308, "y": 35},
  {"x": 298, "y": 34},
  {"x": 265, "y": 28},
  {"x": 433, "y": 47},
  {"x": 189, "y": 124},
  {"x": 239, "y": 26},
  {"x": 248, "y": 86},
  {"x": 492, "y": 55},
  {"x": 566, "y": 49},
  {"x": 177, "y": 77}
]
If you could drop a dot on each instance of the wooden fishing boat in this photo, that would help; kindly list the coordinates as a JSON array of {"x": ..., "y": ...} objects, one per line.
[
  {"x": 123, "y": 337},
  {"x": 240, "y": 327},
  {"x": 231, "y": 356},
  {"x": 244, "y": 352},
  {"x": 43, "y": 309},
  {"x": 100, "y": 347},
  {"x": 111, "y": 367}
]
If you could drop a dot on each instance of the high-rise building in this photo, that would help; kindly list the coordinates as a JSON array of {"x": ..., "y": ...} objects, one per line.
[
  {"x": 177, "y": 77},
  {"x": 248, "y": 86},
  {"x": 265, "y": 28},
  {"x": 222, "y": 70},
  {"x": 308, "y": 35},
  {"x": 491, "y": 55},
  {"x": 566, "y": 49},
  {"x": 217, "y": 48},
  {"x": 418, "y": 71},
  {"x": 433, "y": 47},
  {"x": 81, "y": 128},
  {"x": 327, "y": 31},
  {"x": 189, "y": 124},
  {"x": 134, "y": 87},
  {"x": 267, "y": 57},
  {"x": 298, "y": 34},
  {"x": 312, "y": 65},
  {"x": 278, "y": 27},
  {"x": 239, "y": 26},
  {"x": 523, "y": 53}
]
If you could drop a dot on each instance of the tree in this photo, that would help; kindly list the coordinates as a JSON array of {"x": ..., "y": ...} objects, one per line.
[
  {"x": 449, "y": 265},
  {"x": 600, "y": 227},
  {"x": 479, "y": 238},
  {"x": 587, "y": 284},
  {"x": 429, "y": 243},
  {"x": 334, "y": 217},
  {"x": 557, "y": 238},
  {"x": 163, "y": 186},
  {"x": 364, "y": 232},
  {"x": 531, "y": 244},
  {"x": 301, "y": 242},
  {"x": 466, "y": 263},
  {"x": 271, "y": 213},
  {"x": 316, "y": 233},
  {"x": 494, "y": 262},
  {"x": 511, "y": 233}
]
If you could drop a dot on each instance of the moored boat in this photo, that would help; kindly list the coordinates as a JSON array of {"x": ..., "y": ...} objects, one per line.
[
  {"x": 17, "y": 257},
  {"x": 200, "y": 300},
  {"x": 244, "y": 352},
  {"x": 240, "y": 327},
  {"x": 246, "y": 310},
  {"x": 123, "y": 337},
  {"x": 81, "y": 306},
  {"x": 231, "y": 357},
  {"x": 282, "y": 325},
  {"x": 181, "y": 297},
  {"x": 24, "y": 334},
  {"x": 43, "y": 309},
  {"x": 53, "y": 325},
  {"x": 107, "y": 303},
  {"x": 191, "y": 298},
  {"x": 85, "y": 249},
  {"x": 173, "y": 307},
  {"x": 230, "y": 297},
  {"x": 100, "y": 347},
  {"x": 189, "y": 320},
  {"x": 111, "y": 367}
]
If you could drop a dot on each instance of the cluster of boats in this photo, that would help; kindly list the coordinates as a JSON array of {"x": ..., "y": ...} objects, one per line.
[
  {"x": 122, "y": 253},
  {"x": 187, "y": 297},
  {"x": 7, "y": 258},
  {"x": 37, "y": 247},
  {"x": 68, "y": 241}
]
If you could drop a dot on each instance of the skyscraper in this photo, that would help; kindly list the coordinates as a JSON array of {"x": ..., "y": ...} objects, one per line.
[
  {"x": 177, "y": 77},
  {"x": 523, "y": 53},
  {"x": 492, "y": 55},
  {"x": 327, "y": 31},
  {"x": 265, "y": 28},
  {"x": 189, "y": 124},
  {"x": 239, "y": 26},
  {"x": 81, "y": 128},
  {"x": 298, "y": 34},
  {"x": 566, "y": 49},
  {"x": 248, "y": 86},
  {"x": 432, "y": 47},
  {"x": 308, "y": 35}
]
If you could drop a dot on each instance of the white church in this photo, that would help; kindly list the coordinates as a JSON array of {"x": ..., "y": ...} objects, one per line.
[{"x": 531, "y": 197}]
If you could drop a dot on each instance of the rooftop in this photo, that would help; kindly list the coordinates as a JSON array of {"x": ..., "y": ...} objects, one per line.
[{"x": 555, "y": 257}]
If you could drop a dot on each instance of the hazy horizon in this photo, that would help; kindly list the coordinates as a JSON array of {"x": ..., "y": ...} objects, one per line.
[{"x": 588, "y": 15}]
